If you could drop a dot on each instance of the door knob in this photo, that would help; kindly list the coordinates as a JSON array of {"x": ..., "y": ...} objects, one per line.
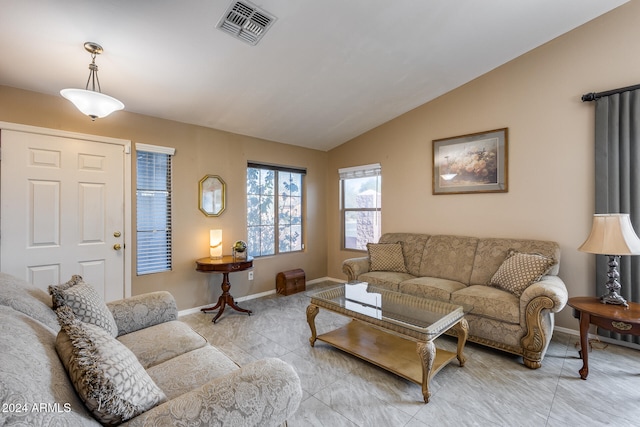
[{"x": 117, "y": 246}]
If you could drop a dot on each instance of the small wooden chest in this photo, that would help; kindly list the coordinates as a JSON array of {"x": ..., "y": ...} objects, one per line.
[{"x": 290, "y": 282}]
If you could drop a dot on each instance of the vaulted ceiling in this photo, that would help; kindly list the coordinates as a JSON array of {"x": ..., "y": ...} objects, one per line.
[{"x": 324, "y": 72}]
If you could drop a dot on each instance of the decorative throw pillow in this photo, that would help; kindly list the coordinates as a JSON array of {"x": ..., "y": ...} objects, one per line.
[
  {"x": 85, "y": 302},
  {"x": 519, "y": 270},
  {"x": 386, "y": 257},
  {"x": 107, "y": 375}
]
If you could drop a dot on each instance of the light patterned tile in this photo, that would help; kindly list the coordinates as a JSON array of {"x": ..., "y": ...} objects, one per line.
[
  {"x": 415, "y": 423},
  {"x": 360, "y": 406},
  {"x": 315, "y": 375},
  {"x": 493, "y": 388},
  {"x": 314, "y": 413}
]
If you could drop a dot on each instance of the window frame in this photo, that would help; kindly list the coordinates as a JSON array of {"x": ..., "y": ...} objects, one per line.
[
  {"x": 142, "y": 270},
  {"x": 355, "y": 172},
  {"x": 276, "y": 169}
]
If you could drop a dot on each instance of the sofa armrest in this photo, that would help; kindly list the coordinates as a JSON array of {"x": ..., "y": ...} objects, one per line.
[
  {"x": 262, "y": 393},
  {"x": 537, "y": 304},
  {"x": 353, "y": 267},
  {"x": 142, "y": 311},
  {"x": 550, "y": 286}
]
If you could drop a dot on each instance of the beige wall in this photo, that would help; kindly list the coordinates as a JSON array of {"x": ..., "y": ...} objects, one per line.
[
  {"x": 551, "y": 157},
  {"x": 537, "y": 96},
  {"x": 199, "y": 151}
]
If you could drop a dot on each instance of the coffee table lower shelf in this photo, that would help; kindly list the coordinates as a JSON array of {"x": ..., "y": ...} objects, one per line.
[{"x": 394, "y": 353}]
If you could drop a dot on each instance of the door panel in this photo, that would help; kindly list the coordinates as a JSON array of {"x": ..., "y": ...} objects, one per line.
[
  {"x": 62, "y": 205},
  {"x": 45, "y": 213}
]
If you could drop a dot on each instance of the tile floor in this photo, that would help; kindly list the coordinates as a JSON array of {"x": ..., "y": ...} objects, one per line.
[{"x": 492, "y": 389}]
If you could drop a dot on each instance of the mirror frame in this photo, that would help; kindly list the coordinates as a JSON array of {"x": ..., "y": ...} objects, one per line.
[{"x": 212, "y": 195}]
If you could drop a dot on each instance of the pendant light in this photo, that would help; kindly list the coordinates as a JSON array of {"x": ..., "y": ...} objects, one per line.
[{"x": 92, "y": 102}]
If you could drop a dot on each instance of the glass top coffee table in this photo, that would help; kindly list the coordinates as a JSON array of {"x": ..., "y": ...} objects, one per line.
[{"x": 389, "y": 327}]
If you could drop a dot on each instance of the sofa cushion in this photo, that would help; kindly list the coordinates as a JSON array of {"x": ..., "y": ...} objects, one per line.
[
  {"x": 519, "y": 271},
  {"x": 191, "y": 370},
  {"x": 385, "y": 279},
  {"x": 386, "y": 257},
  {"x": 144, "y": 310},
  {"x": 28, "y": 299},
  {"x": 159, "y": 343},
  {"x": 492, "y": 252},
  {"x": 85, "y": 302},
  {"x": 32, "y": 373},
  {"x": 412, "y": 248},
  {"x": 106, "y": 374},
  {"x": 449, "y": 257},
  {"x": 430, "y": 287},
  {"x": 489, "y": 302}
]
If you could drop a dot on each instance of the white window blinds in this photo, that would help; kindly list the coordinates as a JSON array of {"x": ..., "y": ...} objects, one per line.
[
  {"x": 363, "y": 171},
  {"x": 153, "y": 209},
  {"x": 360, "y": 205}
]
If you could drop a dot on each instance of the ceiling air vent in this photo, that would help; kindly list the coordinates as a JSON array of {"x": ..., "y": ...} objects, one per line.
[{"x": 246, "y": 21}]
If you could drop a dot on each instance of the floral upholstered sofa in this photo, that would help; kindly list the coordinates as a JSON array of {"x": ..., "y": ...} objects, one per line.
[
  {"x": 130, "y": 362},
  {"x": 511, "y": 285}
]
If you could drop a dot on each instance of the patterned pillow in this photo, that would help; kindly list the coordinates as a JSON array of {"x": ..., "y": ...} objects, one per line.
[
  {"x": 85, "y": 302},
  {"x": 386, "y": 257},
  {"x": 519, "y": 270},
  {"x": 107, "y": 375}
]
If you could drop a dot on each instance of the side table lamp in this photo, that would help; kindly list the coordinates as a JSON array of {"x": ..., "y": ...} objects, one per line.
[
  {"x": 215, "y": 244},
  {"x": 612, "y": 235}
]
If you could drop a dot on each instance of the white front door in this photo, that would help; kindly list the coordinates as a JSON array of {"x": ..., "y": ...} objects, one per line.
[{"x": 63, "y": 210}]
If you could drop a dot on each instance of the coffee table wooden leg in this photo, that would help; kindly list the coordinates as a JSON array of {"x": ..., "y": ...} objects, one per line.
[
  {"x": 312, "y": 312},
  {"x": 427, "y": 354},
  {"x": 462, "y": 330}
]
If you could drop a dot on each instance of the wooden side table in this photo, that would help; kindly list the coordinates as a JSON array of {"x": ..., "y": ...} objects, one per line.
[
  {"x": 225, "y": 265},
  {"x": 616, "y": 318}
]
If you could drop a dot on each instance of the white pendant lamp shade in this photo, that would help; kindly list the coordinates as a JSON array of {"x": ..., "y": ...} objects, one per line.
[
  {"x": 91, "y": 101},
  {"x": 93, "y": 104}
]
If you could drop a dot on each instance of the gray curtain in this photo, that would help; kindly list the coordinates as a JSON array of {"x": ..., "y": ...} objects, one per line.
[{"x": 618, "y": 183}]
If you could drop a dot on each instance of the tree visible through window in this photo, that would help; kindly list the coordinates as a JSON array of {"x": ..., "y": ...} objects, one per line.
[
  {"x": 274, "y": 209},
  {"x": 361, "y": 206}
]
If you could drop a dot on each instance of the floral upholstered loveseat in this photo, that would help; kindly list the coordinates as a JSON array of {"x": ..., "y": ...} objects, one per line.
[
  {"x": 512, "y": 285},
  {"x": 134, "y": 364}
]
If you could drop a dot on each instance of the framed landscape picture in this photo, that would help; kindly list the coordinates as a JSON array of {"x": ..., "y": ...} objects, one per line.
[{"x": 475, "y": 163}]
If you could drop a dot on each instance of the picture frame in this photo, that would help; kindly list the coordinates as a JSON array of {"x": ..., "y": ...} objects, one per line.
[
  {"x": 473, "y": 163},
  {"x": 212, "y": 195}
]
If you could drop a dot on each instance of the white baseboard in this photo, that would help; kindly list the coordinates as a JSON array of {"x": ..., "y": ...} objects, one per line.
[
  {"x": 191, "y": 310},
  {"x": 567, "y": 331},
  {"x": 254, "y": 296},
  {"x": 573, "y": 332},
  {"x": 324, "y": 279},
  {"x": 607, "y": 340}
]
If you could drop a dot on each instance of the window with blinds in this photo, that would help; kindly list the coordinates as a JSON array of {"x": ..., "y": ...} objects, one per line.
[
  {"x": 360, "y": 189},
  {"x": 153, "y": 206}
]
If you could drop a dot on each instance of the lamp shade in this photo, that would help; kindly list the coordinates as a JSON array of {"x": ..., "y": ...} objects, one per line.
[
  {"x": 215, "y": 244},
  {"x": 93, "y": 104},
  {"x": 612, "y": 234}
]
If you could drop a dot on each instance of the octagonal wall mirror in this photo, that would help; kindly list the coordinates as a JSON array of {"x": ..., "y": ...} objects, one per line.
[{"x": 212, "y": 190}]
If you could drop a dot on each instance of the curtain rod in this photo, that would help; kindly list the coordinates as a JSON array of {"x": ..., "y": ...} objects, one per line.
[{"x": 593, "y": 96}]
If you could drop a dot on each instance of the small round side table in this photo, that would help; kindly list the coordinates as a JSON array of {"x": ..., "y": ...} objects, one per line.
[
  {"x": 225, "y": 265},
  {"x": 616, "y": 318}
]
